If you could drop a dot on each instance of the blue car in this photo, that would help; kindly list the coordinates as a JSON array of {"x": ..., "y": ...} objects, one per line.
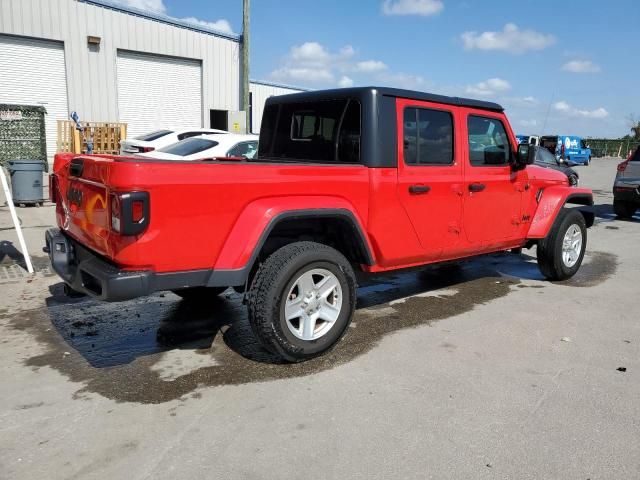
[{"x": 568, "y": 149}]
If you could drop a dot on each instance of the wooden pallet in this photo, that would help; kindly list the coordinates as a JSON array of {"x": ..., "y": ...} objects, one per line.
[{"x": 106, "y": 137}]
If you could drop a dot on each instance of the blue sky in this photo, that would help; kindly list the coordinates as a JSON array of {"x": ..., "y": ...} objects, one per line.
[{"x": 557, "y": 66}]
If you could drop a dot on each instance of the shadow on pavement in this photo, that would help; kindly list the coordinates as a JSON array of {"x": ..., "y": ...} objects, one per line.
[{"x": 113, "y": 334}]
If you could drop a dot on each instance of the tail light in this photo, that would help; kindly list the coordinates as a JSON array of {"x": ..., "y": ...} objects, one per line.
[
  {"x": 53, "y": 188},
  {"x": 129, "y": 212},
  {"x": 145, "y": 149},
  {"x": 623, "y": 166}
]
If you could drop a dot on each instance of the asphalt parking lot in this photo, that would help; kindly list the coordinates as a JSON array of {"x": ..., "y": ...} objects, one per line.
[{"x": 481, "y": 370}]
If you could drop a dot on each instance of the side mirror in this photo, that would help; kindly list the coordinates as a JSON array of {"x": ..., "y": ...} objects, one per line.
[{"x": 526, "y": 156}]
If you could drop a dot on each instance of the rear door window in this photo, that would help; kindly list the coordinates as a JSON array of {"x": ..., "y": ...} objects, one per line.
[
  {"x": 189, "y": 146},
  {"x": 488, "y": 142},
  {"x": 428, "y": 137},
  {"x": 150, "y": 137}
]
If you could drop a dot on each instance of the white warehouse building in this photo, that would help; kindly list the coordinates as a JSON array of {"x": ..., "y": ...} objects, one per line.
[{"x": 111, "y": 63}]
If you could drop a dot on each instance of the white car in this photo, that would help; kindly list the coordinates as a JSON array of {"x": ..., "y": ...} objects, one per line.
[
  {"x": 208, "y": 146},
  {"x": 162, "y": 138}
]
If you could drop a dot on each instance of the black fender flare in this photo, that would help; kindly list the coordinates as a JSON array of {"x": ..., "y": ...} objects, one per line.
[
  {"x": 239, "y": 277},
  {"x": 584, "y": 199}
]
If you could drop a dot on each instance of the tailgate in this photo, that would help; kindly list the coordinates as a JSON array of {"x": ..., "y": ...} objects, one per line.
[{"x": 83, "y": 201}]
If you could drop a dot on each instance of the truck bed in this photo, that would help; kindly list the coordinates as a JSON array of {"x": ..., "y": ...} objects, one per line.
[{"x": 193, "y": 204}]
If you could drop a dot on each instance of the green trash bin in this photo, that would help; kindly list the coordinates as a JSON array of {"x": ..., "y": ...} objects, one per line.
[{"x": 26, "y": 181}]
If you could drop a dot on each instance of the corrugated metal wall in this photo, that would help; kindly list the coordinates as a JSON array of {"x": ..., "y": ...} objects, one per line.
[
  {"x": 91, "y": 73},
  {"x": 260, "y": 92}
]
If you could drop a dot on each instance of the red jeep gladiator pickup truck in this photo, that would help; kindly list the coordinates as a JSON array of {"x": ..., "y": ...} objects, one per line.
[{"x": 374, "y": 179}]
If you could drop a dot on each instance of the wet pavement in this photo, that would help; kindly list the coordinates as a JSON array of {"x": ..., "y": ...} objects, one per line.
[
  {"x": 461, "y": 371},
  {"x": 213, "y": 342}
]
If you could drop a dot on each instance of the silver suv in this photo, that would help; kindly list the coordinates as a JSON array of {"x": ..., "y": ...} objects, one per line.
[{"x": 626, "y": 188}]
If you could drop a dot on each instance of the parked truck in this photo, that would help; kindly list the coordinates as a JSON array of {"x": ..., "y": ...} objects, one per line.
[{"x": 369, "y": 179}]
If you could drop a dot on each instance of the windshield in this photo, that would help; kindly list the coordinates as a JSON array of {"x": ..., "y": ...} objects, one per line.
[
  {"x": 150, "y": 137},
  {"x": 189, "y": 146}
]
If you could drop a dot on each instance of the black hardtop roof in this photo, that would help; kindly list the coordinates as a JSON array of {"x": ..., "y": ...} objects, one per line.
[{"x": 365, "y": 93}]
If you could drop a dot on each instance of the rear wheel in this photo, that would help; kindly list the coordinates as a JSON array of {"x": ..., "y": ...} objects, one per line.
[
  {"x": 561, "y": 252},
  {"x": 199, "y": 293},
  {"x": 301, "y": 300},
  {"x": 624, "y": 209}
]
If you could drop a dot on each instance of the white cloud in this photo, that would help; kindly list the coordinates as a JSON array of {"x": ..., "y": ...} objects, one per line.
[
  {"x": 489, "y": 87},
  {"x": 345, "y": 82},
  {"x": 412, "y": 7},
  {"x": 524, "y": 102},
  {"x": 303, "y": 75},
  {"x": 222, "y": 25},
  {"x": 152, "y": 6},
  {"x": 511, "y": 39},
  {"x": 158, "y": 7},
  {"x": 347, "y": 51},
  {"x": 311, "y": 63},
  {"x": 562, "y": 106},
  {"x": 370, "y": 66},
  {"x": 581, "y": 66},
  {"x": 310, "y": 54},
  {"x": 567, "y": 109}
]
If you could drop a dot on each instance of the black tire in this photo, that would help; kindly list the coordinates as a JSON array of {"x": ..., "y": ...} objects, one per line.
[
  {"x": 550, "y": 258},
  {"x": 573, "y": 180},
  {"x": 199, "y": 293},
  {"x": 624, "y": 209},
  {"x": 271, "y": 286}
]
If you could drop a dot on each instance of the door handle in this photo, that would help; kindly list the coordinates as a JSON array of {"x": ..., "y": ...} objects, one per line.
[
  {"x": 476, "y": 187},
  {"x": 419, "y": 189}
]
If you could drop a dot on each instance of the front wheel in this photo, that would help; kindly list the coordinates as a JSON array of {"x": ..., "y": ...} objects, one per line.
[
  {"x": 561, "y": 252},
  {"x": 573, "y": 180},
  {"x": 301, "y": 300}
]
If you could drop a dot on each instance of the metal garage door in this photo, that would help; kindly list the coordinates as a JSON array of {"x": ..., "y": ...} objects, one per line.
[
  {"x": 33, "y": 73},
  {"x": 158, "y": 92}
]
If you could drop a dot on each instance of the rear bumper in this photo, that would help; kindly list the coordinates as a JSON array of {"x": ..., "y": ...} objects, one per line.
[
  {"x": 626, "y": 193},
  {"x": 88, "y": 273},
  {"x": 85, "y": 272}
]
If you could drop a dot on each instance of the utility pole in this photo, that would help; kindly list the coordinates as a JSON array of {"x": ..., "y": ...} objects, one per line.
[{"x": 246, "y": 8}]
